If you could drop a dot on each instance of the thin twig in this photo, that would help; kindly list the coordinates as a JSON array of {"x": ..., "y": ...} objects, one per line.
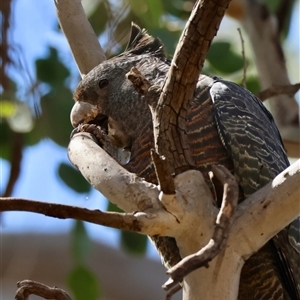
[
  {"x": 30, "y": 287},
  {"x": 244, "y": 59},
  {"x": 220, "y": 234}
]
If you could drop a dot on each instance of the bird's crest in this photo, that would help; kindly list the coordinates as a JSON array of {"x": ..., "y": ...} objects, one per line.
[{"x": 140, "y": 42}]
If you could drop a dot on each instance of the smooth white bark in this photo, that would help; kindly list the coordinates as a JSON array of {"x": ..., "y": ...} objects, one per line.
[
  {"x": 192, "y": 207},
  {"x": 81, "y": 37}
]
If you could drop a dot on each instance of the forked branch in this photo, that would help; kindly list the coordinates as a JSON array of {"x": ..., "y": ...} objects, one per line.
[{"x": 220, "y": 234}]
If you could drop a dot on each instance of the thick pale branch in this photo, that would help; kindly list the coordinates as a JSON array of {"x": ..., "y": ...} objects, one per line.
[
  {"x": 220, "y": 234},
  {"x": 95, "y": 165},
  {"x": 82, "y": 39},
  {"x": 278, "y": 200},
  {"x": 163, "y": 174},
  {"x": 126, "y": 190},
  {"x": 131, "y": 193}
]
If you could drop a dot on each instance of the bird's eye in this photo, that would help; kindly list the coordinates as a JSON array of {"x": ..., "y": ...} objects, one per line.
[{"x": 103, "y": 83}]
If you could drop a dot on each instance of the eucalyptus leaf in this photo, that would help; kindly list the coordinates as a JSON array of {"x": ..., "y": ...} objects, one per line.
[
  {"x": 223, "y": 58},
  {"x": 252, "y": 84},
  {"x": 55, "y": 122},
  {"x": 80, "y": 243},
  {"x": 51, "y": 70},
  {"x": 73, "y": 179},
  {"x": 134, "y": 243},
  {"x": 84, "y": 284},
  {"x": 148, "y": 10},
  {"x": 100, "y": 16}
]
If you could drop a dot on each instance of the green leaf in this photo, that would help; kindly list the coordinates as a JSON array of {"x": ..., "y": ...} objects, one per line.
[
  {"x": 55, "y": 121},
  {"x": 169, "y": 38},
  {"x": 252, "y": 84},
  {"x": 113, "y": 207},
  {"x": 51, "y": 70},
  {"x": 100, "y": 16},
  {"x": 273, "y": 5},
  {"x": 73, "y": 179},
  {"x": 222, "y": 58},
  {"x": 84, "y": 284},
  {"x": 134, "y": 243},
  {"x": 150, "y": 11},
  {"x": 179, "y": 8},
  {"x": 80, "y": 243}
]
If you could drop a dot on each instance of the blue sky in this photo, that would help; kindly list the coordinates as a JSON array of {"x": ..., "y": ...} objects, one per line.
[{"x": 34, "y": 22}]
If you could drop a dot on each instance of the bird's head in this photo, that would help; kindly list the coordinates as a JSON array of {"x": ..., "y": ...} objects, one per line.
[{"x": 106, "y": 97}]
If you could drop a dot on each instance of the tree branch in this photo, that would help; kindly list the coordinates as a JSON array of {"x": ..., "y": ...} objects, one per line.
[
  {"x": 131, "y": 194},
  {"x": 261, "y": 27},
  {"x": 168, "y": 122},
  {"x": 107, "y": 176},
  {"x": 254, "y": 213},
  {"x": 30, "y": 287},
  {"x": 135, "y": 222},
  {"x": 276, "y": 90},
  {"x": 81, "y": 37},
  {"x": 15, "y": 162},
  {"x": 221, "y": 231}
]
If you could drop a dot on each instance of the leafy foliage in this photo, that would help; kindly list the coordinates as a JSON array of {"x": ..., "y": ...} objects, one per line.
[
  {"x": 73, "y": 179},
  {"x": 50, "y": 69},
  {"x": 83, "y": 284},
  {"x": 224, "y": 59}
]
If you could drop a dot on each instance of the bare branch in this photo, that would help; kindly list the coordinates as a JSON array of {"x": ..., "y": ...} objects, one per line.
[
  {"x": 261, "y": 26},
  {"x": 169, "y": 127},
  {"x": 276, "y": 90},
  {"x": 16, "y": 160},
  {"x": 253, "y": 216},
  {"x": 220, "y": 234},
  {"x": 82, "y": 40},
  {"x": 110, "y": 219},
  {"x": 30, "y": 287}
]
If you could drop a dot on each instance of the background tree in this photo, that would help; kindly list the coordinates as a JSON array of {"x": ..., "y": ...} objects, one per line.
[{"x": 52, "y": 73}]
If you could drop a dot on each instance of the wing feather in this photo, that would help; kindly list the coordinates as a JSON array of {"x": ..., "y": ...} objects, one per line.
[{"x": 252, "y": 140}]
